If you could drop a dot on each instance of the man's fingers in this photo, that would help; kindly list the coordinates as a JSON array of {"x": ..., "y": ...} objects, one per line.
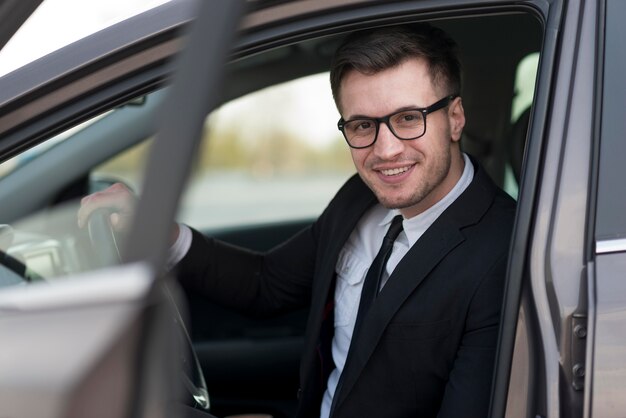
[{"x": 117, "y": 197}]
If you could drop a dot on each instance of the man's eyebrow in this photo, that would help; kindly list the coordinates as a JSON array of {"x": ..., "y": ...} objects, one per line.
[{"x": 400, "y": 109}]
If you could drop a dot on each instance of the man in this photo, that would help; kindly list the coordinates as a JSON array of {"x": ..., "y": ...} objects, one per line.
[{"x": 423, "y": 344}]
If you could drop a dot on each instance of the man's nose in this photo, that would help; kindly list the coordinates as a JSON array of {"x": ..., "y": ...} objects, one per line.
[{"x": 387, "y": 145}]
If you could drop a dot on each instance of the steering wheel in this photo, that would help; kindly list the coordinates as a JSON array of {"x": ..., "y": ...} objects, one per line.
[
  {"x": 102, "y": 238},
  {"x": 193, "y": 378},
  {"x": 104, "y": 242}
]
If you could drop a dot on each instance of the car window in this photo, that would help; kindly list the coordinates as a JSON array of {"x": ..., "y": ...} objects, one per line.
[
  {"x": 525, "y": 78},
  {"x": 610, "y": 220},
  {"x": 126, "y": 167},
  {"x": 8, "y": 166},
  {"x": 272, "y": 155},
  {"x": 40, "y": 239},
  {"x": 276, "y": 155}
]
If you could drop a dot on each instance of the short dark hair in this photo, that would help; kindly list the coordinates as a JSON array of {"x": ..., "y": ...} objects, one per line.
[{"x": 373, "y": 50}]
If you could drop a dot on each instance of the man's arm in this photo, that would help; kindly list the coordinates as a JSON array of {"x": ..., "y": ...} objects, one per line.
[
  {"x": 259, "y": 283},
  {"x": 468, "y": 390},
  {"x": 250, "y": 281}
]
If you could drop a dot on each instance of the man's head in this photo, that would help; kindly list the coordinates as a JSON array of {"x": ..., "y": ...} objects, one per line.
[
  {"x": 400, "y": 71},
  {"x": 374, "y": 50}
]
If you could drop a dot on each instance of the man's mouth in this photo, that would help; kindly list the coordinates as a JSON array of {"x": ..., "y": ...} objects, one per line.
[{"x": 395, "y": 171}]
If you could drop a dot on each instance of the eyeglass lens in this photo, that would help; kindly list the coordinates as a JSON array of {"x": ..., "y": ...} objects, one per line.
[{"x": 407, "y": 124}]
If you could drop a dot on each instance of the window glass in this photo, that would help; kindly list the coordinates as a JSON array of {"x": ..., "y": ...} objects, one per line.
[
  {"x": 126, "y": 168},
  {"x": 525, "y": 77},
  {"x": 272, "y": 155},
  {"x": 610, "y": 220},
  {"x": 40, "y": 240},
  {"x": 19, "y": 160}
]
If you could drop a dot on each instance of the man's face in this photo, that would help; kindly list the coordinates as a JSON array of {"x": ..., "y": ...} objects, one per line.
[{"x": 411, "y": 175}]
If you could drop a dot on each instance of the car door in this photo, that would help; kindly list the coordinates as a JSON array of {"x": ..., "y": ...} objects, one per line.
[
  {"x": 93, "y": 336},
  {"x": 605, "y": 377},
  {"x": 565, "y": 348}
]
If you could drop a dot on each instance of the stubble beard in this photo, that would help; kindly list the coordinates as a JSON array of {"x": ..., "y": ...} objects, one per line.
[{"x": 430, "y": 178}]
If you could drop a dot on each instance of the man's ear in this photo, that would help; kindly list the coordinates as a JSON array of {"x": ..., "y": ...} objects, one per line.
[{"x": 456, "y": 117}]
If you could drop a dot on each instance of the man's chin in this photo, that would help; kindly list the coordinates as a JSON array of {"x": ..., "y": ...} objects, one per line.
[
  {"x": 394, "y": 203},
  {"x": 393, "y": 197}
]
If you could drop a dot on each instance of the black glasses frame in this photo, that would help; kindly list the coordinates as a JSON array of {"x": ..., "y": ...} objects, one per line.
[{"x": 440, "y": 104}]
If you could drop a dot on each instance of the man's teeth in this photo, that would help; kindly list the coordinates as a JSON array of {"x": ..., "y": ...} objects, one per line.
[{"x": 394, "y": 171}]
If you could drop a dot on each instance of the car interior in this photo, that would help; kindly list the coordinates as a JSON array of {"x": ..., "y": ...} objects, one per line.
[{"x": 255, "y": 183}]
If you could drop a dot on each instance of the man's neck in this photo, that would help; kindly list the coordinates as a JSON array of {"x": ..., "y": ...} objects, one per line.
[{"x": 455, "y": 172}]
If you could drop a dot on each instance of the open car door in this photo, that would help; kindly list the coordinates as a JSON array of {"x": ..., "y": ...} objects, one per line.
[{"x": 105, "y": 343}]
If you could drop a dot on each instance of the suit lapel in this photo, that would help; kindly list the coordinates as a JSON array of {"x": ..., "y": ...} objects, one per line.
[{"x": 441, "y": 238}]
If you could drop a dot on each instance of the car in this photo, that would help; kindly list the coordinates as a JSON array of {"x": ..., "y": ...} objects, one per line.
[{"x": 192, "y": 106}]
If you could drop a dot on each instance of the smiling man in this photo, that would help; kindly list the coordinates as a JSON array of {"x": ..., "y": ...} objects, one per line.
[
  {"x": 404, "y": 271},
  {"x": 426, "y": 345}
]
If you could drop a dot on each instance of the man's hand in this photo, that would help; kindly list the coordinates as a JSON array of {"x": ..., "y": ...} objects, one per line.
[
  {"x": 122, "y": 203},
  {"x": 118, "y": 198}
]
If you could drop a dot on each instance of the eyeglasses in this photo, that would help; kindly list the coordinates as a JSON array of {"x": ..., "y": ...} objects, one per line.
[{"x": 405, "y": 124}]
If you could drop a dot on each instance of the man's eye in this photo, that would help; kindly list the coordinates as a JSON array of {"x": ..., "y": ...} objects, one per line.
[
  {"x": 360, "y": 127},
  {"x": 364, "y": 125},
  {"x": 407, "y": 119}
]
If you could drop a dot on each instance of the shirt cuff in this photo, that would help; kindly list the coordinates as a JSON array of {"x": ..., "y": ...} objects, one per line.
[{"x": 179, "y": 249}]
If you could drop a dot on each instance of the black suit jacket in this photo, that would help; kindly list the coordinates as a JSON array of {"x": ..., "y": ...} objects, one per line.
[{"x": 427, "y": 346}]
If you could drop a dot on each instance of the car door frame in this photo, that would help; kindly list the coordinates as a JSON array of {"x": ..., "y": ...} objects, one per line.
[
  {"x": 134, "y": 299},
  {"x": 551, "y": 264}
]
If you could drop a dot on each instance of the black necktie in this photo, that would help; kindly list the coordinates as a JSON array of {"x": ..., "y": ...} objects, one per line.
[{"x": 371, "y": 284}]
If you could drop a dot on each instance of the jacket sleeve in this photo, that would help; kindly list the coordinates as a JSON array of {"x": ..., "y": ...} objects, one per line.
[
  {"x": 273, "y": 282},
  {"x": 468, "y": 390},
  {"x": 251, "y": 282}
]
